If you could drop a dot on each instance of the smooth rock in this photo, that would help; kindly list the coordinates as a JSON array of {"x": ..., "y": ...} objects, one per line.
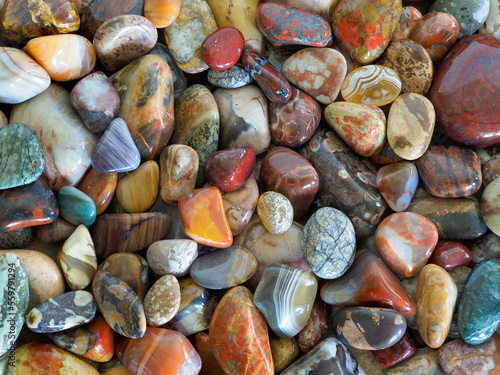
[
  {"x": 316, "y": 326},
  {"x": 138, "y": 191},
  {"x": 490, "y": 169},
  {"x": 284, "y": 352},
  {"x": 469, "y": 14},
  {"x": 409, "y": 17},
  {"x": 386, "y": 156},
  {"x": 423, "y": 362},
  {"x": 232, "y": 78},
  {"x": 172, "y": 256},
  {"x": 162, "y": 12},
  {"x": 397, "y": 183},
  {"x": 56, "y": 231},
  {"x": 75, "y": 206},
  {"x": 162, "y": 301},
  {"x": 209, "y": 364},
  {"x": 275, "y": 211},
  {"x": 490, "y": 202},
  {"x": 450, "y": 255},
  {"x": 18, "y": 238},
  {"x": 485, "y": 247},
  {"x": 324, "y": 8},
  {"x": 223, "y": 48},
  {"x": 100, "y": 187},
  {"x": 396, "y": 353}
]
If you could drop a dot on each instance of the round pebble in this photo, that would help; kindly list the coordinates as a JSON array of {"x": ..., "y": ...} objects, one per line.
[
  {"x": 275, "y": 212},
  {"x": 162, "y": 301}
]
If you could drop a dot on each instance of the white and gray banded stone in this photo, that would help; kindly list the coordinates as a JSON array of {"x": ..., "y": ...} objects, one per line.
[
  {"x": 329, "y": 243},
  {"x": 62, "y": 312},
  {"x": 232, "y": 78}
]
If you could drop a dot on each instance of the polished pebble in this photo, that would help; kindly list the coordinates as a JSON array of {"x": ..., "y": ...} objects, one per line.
[
  {"x": 162, "y": 301},
  {"x": 100, "y": 187},
  {"x": 137, "y": 191},
  {"x": 162, "y": 12},
  {"x": 397, "y": 183},
  {"x": 76, "y": 206},
  {"x": 450, "y": 255},
  {"x": 223, "y": 48},
  {"x": 275, "y": 212},
  {"x": 172, "y": 256}
]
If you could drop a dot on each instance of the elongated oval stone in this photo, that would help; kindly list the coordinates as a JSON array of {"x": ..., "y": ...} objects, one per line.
[
  {"x": 15, "y": 297},
  {"x": 137, "y": 191},
  {"x": 162, "y": 301}
]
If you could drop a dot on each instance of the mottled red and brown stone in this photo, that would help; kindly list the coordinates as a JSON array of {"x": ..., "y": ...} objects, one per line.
[
  {"x": 100, "y": 188},
  {"x": 450, "y": 255},
  {"x": 290, "y": 174},
  {"x": 408, "y": 19},
  {"x": 401, "y": 350}
]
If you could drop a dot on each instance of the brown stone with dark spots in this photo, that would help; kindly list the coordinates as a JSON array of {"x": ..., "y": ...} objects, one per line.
[
  {"x": 412, "y": 63},
  {"x": 409, "y": 17},
  {"x": 450, "y": 171},
  {"x": 290, "y": 174}
]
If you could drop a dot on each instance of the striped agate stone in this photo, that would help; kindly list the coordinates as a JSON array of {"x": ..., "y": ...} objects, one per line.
[{"x": 371, "y": 84}]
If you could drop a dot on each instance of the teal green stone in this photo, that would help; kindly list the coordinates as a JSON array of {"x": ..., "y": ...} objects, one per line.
[
  {"x": 76, "y": 207},
  {"x": 21, "y": 156},
  {"x": 479, "y": 306},
  {"x": 15, "y": 296}
]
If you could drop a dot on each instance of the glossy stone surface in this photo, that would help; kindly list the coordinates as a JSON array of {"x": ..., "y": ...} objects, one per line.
[
  {"x": 75, "y": 206},
  {"x": 77, "y": 259},
  {"x": 361, "y": 126},
  {"x": 423, "y": 362},
  {"x": 162, "y": 301},
  {"x": 94, "y": 341},
  {"x": 410, "y": 125},
  {"x": 223, "y": 48},
  {"x": 15, "y": 292},
  {"x": 231, "y": 78},
  {"x": 114, "y": 233},
  {"x": 209, "y": 364},
  {"x": 275, "y": 211},
  {"x": 172, "y": 256},
  {"x": 397, "y": 183},
  {"x": 356, "y": 193},
  {"x": 186, "y": 34},
  {"x": 454, "y": 218},
  {"x": 365, "y": 27},
  {"x": 239, "y": 336},
  {"x": 173, "y": 353},
  {"x": 295, "y": 26},
  {"x": 96, "y": 101},
  {"x": 450, "y": 171},
  {"x": 21, "y": 77},
  {"x": 120, "y": 306},
  {"x": 396, "y": 353},
  {"x": 138, "y": 191},
  {"x": 470, "y": 67},
  {"x": 478, "y": 310},
  {"x": 369, "y": 328},
  {"x": 450, "y": 255},
  {"x": 122, "y": 39},
  {"x": 100, "y": 187},
  {"x": 223, "y": 269},
  {"x": 405, "y": 241},
  {"x": 284, "y": 351},
  {"x": 437, "y": 32},
  {"x": 290, "y": 174},
  {"x": 409, "y": 17},
  {"x": 318, "y": 71},
  {"x": 285, "y": 295},
  {"x": 469, "y": 14},
  {"x": 27, "y": 206},
  {"x": 146, "y": 93},
  {"x": 330, "y": 355},
  {"x": 67, "y": 144},
  {"x": 490, "y": 203},
  {"x": 162, "y": 12},
  {"x": 329, "y": 243},
  {"x": 316, "y": 326}
]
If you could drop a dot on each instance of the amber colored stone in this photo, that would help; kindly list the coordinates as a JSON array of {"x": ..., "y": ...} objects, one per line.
[
  {"x": 209, "y": 364},
  {"x": 290, "y": 174},
  {"x": 56, "y": 231},
  {"x": 450, "y": 255},
  {"x": 398, "y": 352},
  {"x": 204, "y": 218},
  {"x": 113, "y": 367},
  {"x": 100, "y": 188},
  {"x": 138, "y": 191},
  {"x": 316, "y": 326},
  {"x": 113, "y": 233},
  {"x": 239, "y": 335},
  {"x": 409, "y": 17},
  {"x": 162, "y": 12},
  {"x": 284, "y": 351}
]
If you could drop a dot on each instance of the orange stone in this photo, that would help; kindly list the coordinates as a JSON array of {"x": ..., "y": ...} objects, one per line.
[
  {"x": 204, "y": 219},
  {"x": 238, "y": 335},
  {"x": 100, "y": 188},
  {"x": 162, "y": 12}
]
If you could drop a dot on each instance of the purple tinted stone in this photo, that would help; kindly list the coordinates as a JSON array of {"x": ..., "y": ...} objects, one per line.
[
  {"x": 96, "y": 101},
  {"x": 116, "y": 150}
]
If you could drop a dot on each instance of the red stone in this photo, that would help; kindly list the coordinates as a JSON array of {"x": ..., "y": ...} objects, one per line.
[
  {"x": 229, "y": 169},
  {"x": 290, "y": 174},
  {"x": 273, "y": 84},
  {"x": 450, "y": 255},
  {"x": 238, "y": 335},
  {"x": 466, "y": 91},
  {"x": 287, "y": 25},
  {"x": 223, "y": 48},
  {"x": 315, "y": 327},
  {"x": 401, "y": 350}
]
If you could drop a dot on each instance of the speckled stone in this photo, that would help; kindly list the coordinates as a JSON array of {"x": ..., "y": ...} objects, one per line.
[
  {"x": 232, "y": 78},
  {"x": 329, "y": 243},
  {"x": 162, "y": 301},
  {"x": 275, "y": 212},
  {"x": 172, "y": 256}
]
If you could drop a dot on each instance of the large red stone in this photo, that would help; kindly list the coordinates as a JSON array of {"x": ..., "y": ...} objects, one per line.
[
  {"x": 223, "y": 48},
  {"x": 450, "y": 255},
  {"x": 466, "y": 91},
  {"x": 290, "y": 174}
]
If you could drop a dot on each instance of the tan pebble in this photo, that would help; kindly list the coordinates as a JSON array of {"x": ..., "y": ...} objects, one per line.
[
  {"x": 275, "y": 212},
  {"x": 169, "y": 300}
]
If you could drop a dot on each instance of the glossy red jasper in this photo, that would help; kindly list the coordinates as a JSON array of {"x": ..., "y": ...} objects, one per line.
[
  {"x": 450, "y": 255},
  {"x": 229, "y": 169},
  {"x": 466, "y": 91},
  {"x": 273, "y": 84},
  {"x": 223, "y": 48},
  {"x": 290, "y": 174},
  {"x": 401, "y": 350},
  {"x": 285, "y": 25}
]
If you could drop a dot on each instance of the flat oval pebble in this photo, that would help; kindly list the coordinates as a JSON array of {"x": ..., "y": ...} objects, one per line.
[
  {"x": 397, "y": 183},
  {"x": 162, "y": 301},
  {"x": 275, "y": 212},
  {"x": 329, "y": 243},
  {"x": 223, "y": 269},
  {"x": 223, "y": 48},
  {"x": 232, "y": 78},
  {"x": 76, "y": 206},
  {"x": 172, "y": 256},
  {"x": 62, "y": 312},
  {"x": 490, "y": 203}
]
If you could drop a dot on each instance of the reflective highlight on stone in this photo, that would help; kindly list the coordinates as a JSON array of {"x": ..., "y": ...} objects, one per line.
[{"x": 76, "y": 207}]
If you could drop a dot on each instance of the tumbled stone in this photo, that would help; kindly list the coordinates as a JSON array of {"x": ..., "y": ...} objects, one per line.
[
  {"x": 100, "y": 187},
  {"x": 450, "y": 255},
  {"x": 490, "y": 169},
  {"x": 284, "y": 352},
  {"x": 180, "y": 83},
  {"x": 423, "y": 362},
  {"x": 469, "y": 14},
  {"x": 409, "y": 17},
  {"x": 162, "y": 13},
  {"x": 56, "y": 231},
  {"x": 172, "y": 256},
  {"x": 275, "y": 211},
  {"x": 16, "y": 239},
  {"x": 232, "y": 78},
  {"x": 396, "y": 353},
  {"x": 223, "y": 48},
  {"x": 397, "y": 183},
  {"x": 75, "y": 206},
  {"x": 162, "y": 301},
  {"x": 490, "y": 203},
  {"x": 138, "y": 191},
  {"x": 485, "y": 247}
]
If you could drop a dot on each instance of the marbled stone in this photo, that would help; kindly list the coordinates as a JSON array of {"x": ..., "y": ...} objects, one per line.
[
  {"x": 16, "y": 239},
  {"x": 490, "y": 203},
  {"x": 162, "y": 12},
  {"x": 27, "y": 206},
  {"x": 355, "y": 193},
  {"x": 21, "y": 77},
  {"x": 450, "y": 255},
  {"x": 492, "y": 24},
  {"x": 120, "y": 306},
  {"x": 239, "y": 336},
  {"x": 180, "y": 82},
  {"x": 469, "y": 14},
  {"x": 100, "y": 187},
  {"x": 146, "y": 93},
  {"x": 316, "y": 326},
  {"x": 77, "y": 259},
  {"x": 67, "y": 144},
  {"x": 284, "y": 351},
  {"x": 223, "y": 48},
  {"x": 75, "y": 206},
  {"x": 318, "y": 71},
  {"x": 410, "y": 125},
  {"x": 122, "y": 39},
  {"x": 96, "y": 101},
  {"x": 450, "y": 171},
  {"x": 137, "y": 191},
  {"x": 405, "y": 241},
  {"x": 396, "y": 353},
  {"x": 232, "y": 78},
  {"x": 275, "y": 211},
  {"x": 397, "y": 183},
  {"x": 162, "y": 301},
  {"x": 55, "y": 231},
  {"x": 423, "y": 362},
  {"x": 409, "y": 17},
  {"x": 172, "y": 256},
  {"x": 470, "y": 67}
]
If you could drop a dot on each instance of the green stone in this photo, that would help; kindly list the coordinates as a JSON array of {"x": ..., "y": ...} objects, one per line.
[
  {"x": 76, "y": 207},
  {"x": 15, "y": 296},
  {"x": 21, "y": 156},
  {"x": 479, "y": 307}
]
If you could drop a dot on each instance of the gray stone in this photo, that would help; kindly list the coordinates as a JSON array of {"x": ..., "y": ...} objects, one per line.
[
  {"x": 16, "y": 239},
  {"x": 232, "y": 78},
  {"x": 470, "y": 14}
]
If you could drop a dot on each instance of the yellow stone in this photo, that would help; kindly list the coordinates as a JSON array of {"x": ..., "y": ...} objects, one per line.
[
  {"x": 138, "y": 191},
  {"x": 284, "y": 351}
]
